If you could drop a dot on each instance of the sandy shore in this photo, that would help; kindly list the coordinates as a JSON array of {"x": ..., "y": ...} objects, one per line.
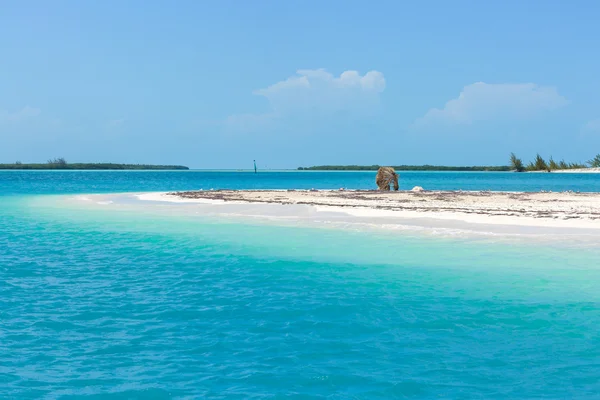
[
  {"x": 578, "y": 171},
  {"x": 562, "y": 206},
  {"x": 484, "y": 211}
]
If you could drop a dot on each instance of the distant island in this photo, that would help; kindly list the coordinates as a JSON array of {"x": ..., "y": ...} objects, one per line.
[
  {"x": 403, "y": 168},
  {"x": 516, "y": 165},
  {"x": 62, "y": 164}
]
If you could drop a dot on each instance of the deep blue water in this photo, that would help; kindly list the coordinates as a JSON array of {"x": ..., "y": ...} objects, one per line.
[{"x": 113, "y": 303}]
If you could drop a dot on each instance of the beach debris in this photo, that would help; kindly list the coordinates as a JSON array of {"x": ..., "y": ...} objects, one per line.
[
  {"x": 342, "y": 189},
  {"x": 417, "y": 189},
  {"x": 385, "y": 177}
]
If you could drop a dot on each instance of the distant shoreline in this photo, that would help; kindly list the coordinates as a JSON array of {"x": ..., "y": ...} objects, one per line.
[
  {"x": 144, "y": 167},
  {"x": 91, "y": 166},
  {"x": 407, "y": 168},
  {"x": 571, "y": 171}
]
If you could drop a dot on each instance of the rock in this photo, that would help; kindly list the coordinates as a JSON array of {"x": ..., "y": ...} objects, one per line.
[
  {"x": 385, "y": 177},
  {"x": 417, "y": 189}
]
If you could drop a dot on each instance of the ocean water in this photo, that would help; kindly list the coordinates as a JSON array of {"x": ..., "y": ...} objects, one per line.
[
  {"x": 109, "y": 302},
  {"x": 53, "y": 182}
]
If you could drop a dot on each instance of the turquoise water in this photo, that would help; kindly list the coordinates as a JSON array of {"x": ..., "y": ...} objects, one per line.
[
  {"x": 52, "y": 182},
  {"x": 112, "y": 303}
]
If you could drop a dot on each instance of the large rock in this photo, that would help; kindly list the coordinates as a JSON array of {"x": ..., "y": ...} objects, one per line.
[{"x": 385, "y": 177}]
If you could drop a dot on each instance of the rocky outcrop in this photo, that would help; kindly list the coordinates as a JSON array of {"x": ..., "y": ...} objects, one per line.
[{"x": 386, "y": 176}]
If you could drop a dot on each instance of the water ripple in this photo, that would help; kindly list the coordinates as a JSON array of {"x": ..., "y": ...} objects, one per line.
[{"x": 94, "y": 311}]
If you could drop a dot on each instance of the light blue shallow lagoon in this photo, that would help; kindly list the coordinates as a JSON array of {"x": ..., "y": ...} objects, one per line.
[{"x": 133, "y": 304}]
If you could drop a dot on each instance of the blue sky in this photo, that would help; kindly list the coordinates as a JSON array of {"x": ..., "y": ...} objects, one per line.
[{"x": 216, "y": 84}]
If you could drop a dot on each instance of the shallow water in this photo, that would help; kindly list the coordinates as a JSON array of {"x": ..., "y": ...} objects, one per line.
[{"x": 98, "y": 302}]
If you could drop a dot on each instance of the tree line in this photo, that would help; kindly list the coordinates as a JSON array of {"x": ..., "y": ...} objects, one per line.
[
  {"x": 62, "y": 164},
  {"x": 539, "y": 164},
  {"x": 515, "y": 164}
]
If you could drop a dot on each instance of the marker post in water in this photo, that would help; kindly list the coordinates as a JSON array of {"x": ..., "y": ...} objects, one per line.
[{"x": 255, "y": 166}]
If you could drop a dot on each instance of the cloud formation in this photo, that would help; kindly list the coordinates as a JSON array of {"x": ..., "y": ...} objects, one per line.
[
  {"x": 20, "y": 115},
  {"x": 484, "y": 101},
  {"x": 319, "y": 90},
  {"x": 315, "y": 91}
]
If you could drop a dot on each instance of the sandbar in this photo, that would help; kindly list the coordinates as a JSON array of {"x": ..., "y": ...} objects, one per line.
[{"x": 484, "y": 211}]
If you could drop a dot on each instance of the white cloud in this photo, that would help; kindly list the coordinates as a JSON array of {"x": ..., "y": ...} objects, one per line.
[
  {"x": 20, "y": 115},
  {"x": 315, "y": 91},
  {"x": 319, "y": 90},
  {"x": 319, "y": 80},
  {"x": 484, "y": 101},
  {"x": 592, "y": 126}
]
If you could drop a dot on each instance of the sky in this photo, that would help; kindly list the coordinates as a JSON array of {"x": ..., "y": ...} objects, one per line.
[{"x": 218, "y": 83}]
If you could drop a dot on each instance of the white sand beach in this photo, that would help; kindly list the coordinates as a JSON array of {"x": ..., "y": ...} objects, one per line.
[
  {"x": 496, "y": 212},
  {"x": 578, "y": 171}
]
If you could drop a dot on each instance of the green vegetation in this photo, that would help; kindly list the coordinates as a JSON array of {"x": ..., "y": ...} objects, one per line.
[
  {"x": 58, "y": 162},
  {"x": 577, "y": 166},
  {"x": 516, "y": 164},
  {"x": 595, "y": 162},
  {"x": 61, "y": 163},
  {"x": 402, "y": 168},
  {"x": 563, "y": 165},
  {"x": 539, "y": 164}
]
